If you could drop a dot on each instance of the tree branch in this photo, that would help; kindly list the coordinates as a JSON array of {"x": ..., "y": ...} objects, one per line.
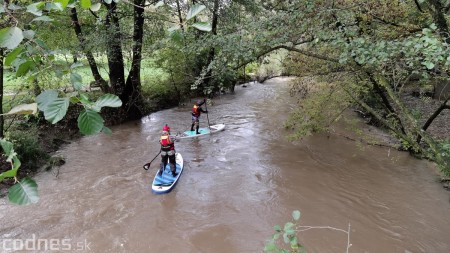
[{"x": 433, "y": 117}]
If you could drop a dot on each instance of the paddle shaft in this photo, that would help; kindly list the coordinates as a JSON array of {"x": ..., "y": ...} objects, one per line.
[
  {"x": 207, "y": 117},
  {"x": 147, "y": 165}
]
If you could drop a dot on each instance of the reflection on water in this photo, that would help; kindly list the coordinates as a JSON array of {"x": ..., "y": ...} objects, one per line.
[{"x": 237, "y": 184}]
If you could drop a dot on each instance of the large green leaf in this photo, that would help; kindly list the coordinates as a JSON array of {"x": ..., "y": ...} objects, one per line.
[
  {"x": 24, "y": 192},
  {"x": 46, "y": 98},
  {"x": 12, "y": 56},
  {"x": 10, "y": 37},
  {"x": 76, "y": 80},
  {"x": 85, "y": 4},
  {"x": 90, "y": 122},
  {"x": 29, "y": 34},
  {"x": 23, "y": 109},
  {"x": 108, "y": 100},
  {"x": 195, "y": 10},
  {"x": 203, "y": 26},
  {"x": 56, "y": 110}
]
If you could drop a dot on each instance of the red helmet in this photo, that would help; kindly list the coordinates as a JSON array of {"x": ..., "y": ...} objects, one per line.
[{"x": 166, "y": 128}]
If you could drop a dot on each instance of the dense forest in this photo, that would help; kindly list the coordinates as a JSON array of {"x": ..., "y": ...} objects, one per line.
[{"x": 105, "y": 62}]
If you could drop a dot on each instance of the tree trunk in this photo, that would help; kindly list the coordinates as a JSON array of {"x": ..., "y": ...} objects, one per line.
[
  {"x": 432, "y": 117},
  {"x": 1, "y": 93},
  {"x": 439, "y": 19},
  {"x": 131, "y": 96},
  {"x": 212, "y": 51},
  {"x": 90, "y": 57},
  {"x": 114, "y": 50}
]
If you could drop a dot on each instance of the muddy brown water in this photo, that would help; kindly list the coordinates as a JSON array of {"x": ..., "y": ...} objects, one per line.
[{"x": 237, "y": 184}]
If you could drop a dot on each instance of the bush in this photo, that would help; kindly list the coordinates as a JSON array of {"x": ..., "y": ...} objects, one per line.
[{"x": 27, "y": 147}]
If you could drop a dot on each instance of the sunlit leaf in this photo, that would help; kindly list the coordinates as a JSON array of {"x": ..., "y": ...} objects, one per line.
[
  {"x": 23, "y": 109},
  {"x": 108, "y": 1},
  {"x": 194, "y": 11},
  {"x": 296, "y": 215},
  {"x": 34, "y": 9},
  {"x": 24, "y": 192},
  {"x": 2, "y": 8},
  {"x": 288, "y": 225},
  {"x": 8, "y": 174},
  {"x": 10, "y": 37},
  {"x": 85, "y": 4},
  {"x": 277, "y": 228},
  {"x": 46, "y": 98},
  {"x": 202, "y": 26},
  {"x": 56, "y": 110},
  {"x": 159, "y": 4},
  {"x": 96, "y": 7},
  {"x": 63, "y": 3},
  {"x": 76, "y": 65},
  {"x": 176, "y": 36},
  {"x": 90, "y": 122}
]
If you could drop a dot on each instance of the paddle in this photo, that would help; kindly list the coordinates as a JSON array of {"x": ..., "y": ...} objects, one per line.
[
  {"x": 206, "y": 107},
  {"x": 147, "y": 165}
]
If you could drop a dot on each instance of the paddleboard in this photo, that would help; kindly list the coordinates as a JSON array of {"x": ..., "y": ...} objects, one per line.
[
  {"x": 165, "y": 182},
  {"x": 202, "y": 131}
]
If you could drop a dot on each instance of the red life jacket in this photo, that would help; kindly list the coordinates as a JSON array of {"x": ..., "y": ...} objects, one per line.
[
  {"x": 166, "y": 144},
  {"x": 195, "y": 111}
]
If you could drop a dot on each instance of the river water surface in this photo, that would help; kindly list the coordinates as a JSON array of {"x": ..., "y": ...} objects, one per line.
[{"x": 237, "y": 184}]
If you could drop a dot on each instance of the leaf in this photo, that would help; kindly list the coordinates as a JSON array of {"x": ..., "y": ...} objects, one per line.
[
  {"x": 43, "y": 18},
  {"x": 288, "y": 226},
  {"x": 76, "y": 80},
  {"x": 108, "y": 100},
  {"x": 8, "y": 174},
  {"x": 12, "y": 56},
  {"x": 176, "y": 36},
  {"x": 76, "y": 65},
  {"x": 63, "y": 3},
  {"x": 56, "y": 110},
  {"x": 23, "y": 109},
  {"x": 202, "y": 26},
  {"x": 159, "y": 4},
  {"x": 24, "y": 68},
  {"x": 106, "y": 130},
  {"x": 85, "y": 4},
  {"x": 24, "y": 192},
  {"x": 29, "y": 34},
  {"x": 96, "y": 7},
  {"x": 10, "y": 37},
  {"x": 294, "y": 243},
  {"x": 7, "y": 147},
  {"x": 296, "y": 214},
  {"x": 46, "y": 98},
  {"x": 2, "y": 8},
  {"x": 196, "y": 9},
  {"x": 34, "y": 9},
  {"x": 90, "y": 122},
  {"x": 277, "y": 228},
  {"x": 428, "y": 64},
  {"x": 108, "y": 1},
  {"x": 270, "y": 247}
]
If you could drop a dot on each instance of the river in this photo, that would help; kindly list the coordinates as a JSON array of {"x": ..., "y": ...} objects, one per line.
[{"x": 237, "y": 184}]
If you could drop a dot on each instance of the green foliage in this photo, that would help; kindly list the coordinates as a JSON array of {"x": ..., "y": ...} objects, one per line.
[
  {"x": 24, "y": 192},
  {"x": 289, "y": 235},
  {"x": 27, "y": 146}
]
